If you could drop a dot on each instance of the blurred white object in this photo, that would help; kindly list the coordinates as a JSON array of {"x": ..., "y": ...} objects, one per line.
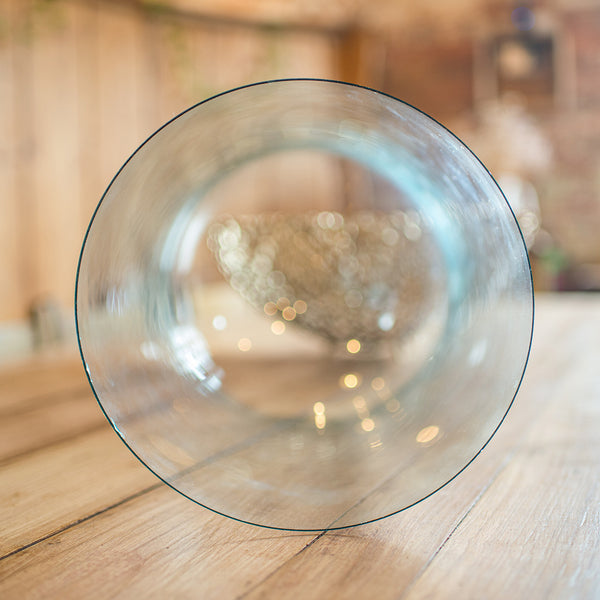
[
  {"x": 523, "y": 199},
  {"x": 508, "y": 139},
  {"x": 515, "y": 149}
]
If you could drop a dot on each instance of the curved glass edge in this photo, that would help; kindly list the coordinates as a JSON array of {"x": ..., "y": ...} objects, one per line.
[{"x": 332, "y": 527}]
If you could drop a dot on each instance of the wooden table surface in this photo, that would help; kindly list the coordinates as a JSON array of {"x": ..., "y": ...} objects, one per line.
[{"x": 80, "y": 517}]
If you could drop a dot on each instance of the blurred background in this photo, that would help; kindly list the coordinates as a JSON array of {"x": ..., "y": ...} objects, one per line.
[{"x": 84, "y": 82}]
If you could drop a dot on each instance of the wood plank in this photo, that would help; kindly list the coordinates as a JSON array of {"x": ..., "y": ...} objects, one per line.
[
  {"x": 179, "y": 54},
  {"x": 83, "y": 475},
  {"x": 24, "y": 135},
  {"x": 306, "y": 54},
  {"x": 532, "y": 496},
  {"x": 155, "y": 546},
  {"x": 90, "y": 182},
  {"x": 400, "y": 548},
  {"x": 40, "y": 378},
  {"x": 10, "y": 292},
  {"x": 355, "y": 480},
  {"x": 55, "y": 231},
  {"x": 120, "y": 96},
  {"x": 534, "y": 533},
  {"x": 47, "y": 422},
  {"x": 377, "y": 560},
  {"x": 161, "y": 528},
  {"x": 46, "y": 491}
]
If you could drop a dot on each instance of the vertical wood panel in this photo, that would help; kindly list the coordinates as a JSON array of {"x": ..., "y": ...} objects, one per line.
[
  {"x": 118, "y": 91},
  {"x": 10, "y": 292},
  {"x": 305, "y": 54},
  {"x": 82, "y": 84},
  {"x": 54, "y": 221},
  {"x": 148, "y": 78},
  {"x": 90, "y": 181},
  {"x": 20, "y": 24},
  {"x": 175, "y": 64}
]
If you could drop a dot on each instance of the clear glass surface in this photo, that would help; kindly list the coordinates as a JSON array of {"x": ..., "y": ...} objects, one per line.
[{"x": 304, "y": 304}]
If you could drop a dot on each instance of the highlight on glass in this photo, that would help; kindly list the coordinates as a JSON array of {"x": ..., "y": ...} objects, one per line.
[{"x": 304, "y": 304}]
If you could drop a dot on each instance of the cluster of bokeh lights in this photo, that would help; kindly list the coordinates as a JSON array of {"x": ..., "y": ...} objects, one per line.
[{"x": 349, "y": 382}]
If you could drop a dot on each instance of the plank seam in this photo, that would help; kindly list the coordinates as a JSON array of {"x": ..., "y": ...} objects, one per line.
[
  {"x": 68, "y": 438},
  {"x": 267, "y": 577},
  {"x": 82, "y": 520},
  {"x": 32, "y": 403},
  {"x": 460, "y": 521}
]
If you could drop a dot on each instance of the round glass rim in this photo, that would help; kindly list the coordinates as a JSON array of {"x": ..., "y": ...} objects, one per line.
[{"x": 307, "y": 80}]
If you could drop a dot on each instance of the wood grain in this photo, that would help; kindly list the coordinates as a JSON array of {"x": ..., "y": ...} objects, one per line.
[
  {"x": 56, "y": 231},
  {"x": 82, "y": 84},
  {"x": 427, "y": 529},
  {"x": 27, "y": 383},
  {"x": 534, "y": 534},
  {"x": 48, "y": 422},
  {"x": 45, "y": 491},
  {"x": 83, "y": 519},
  {"x": 184, "y": 548},
  {"x": 11, "y": 292},
  {"x": 23, "y": 197}
]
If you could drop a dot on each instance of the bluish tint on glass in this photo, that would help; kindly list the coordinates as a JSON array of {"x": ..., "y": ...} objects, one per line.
[{"x": 304, "y": 304}]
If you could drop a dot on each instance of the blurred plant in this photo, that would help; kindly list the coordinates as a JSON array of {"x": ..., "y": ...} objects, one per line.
[
  {"x": 32, "y": 19},
  {"x": 194, "y": 80},
  {"x": 552, "y": 257},
  {"x": 154, "y": 7}
]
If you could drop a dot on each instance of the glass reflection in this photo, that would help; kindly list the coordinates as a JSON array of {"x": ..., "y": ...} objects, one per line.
[
  {"x": 353, "y": 346},
  {"x": 277, "y": 345},
  {"x": 244, "y": 344},
  {"x": 428, "y": 434}
]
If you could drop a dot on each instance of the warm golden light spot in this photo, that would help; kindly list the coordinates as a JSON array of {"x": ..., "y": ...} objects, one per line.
[
  {"x": 359, "y": 403},
  {"x": 288, "y": 313},
  {"x": 319, "y": 408},
  {"x": 360, "y": 406},
  {"x": 353, "y": 346},
  {"x": 300, "y": 307},
  {"x": 428, "y": 434},
  {"x": 378, "y": 384},
  {"x": 282, "y": 303},
  {"x": 392, "y": 405},
  {"x": 244, "y": 344},
  {"x": 270, "y": 308},
  {"x": 320, "y": 421},
  {"x": 350, "y": 381},
  {"x": 277, "y": 327},
  {"x": 367, "y": 424}
]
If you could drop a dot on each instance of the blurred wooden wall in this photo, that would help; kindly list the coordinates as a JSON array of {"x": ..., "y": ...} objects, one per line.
[{"x": 82, "y": 84}]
